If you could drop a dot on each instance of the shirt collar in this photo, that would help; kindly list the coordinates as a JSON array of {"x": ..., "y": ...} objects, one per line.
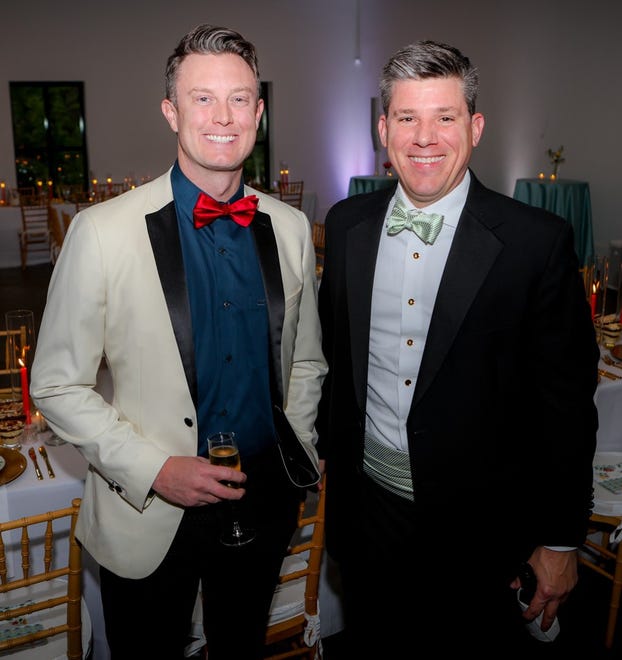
[
  {"x": 449, "y": 206},
  {"x": 186, "y": 193}
]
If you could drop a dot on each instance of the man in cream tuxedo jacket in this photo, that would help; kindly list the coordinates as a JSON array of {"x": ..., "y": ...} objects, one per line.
[{"x": 138, "y": 285}]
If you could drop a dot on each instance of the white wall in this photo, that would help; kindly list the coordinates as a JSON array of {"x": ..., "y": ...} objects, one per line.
[{"x": 550, "y": 76}]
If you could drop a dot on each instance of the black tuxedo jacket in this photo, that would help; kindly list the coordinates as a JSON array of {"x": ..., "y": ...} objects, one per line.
[{"x": 502, "y": 425}]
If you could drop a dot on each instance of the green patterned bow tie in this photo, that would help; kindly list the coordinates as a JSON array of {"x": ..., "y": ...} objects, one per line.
[{"x": 426, "y": 225}]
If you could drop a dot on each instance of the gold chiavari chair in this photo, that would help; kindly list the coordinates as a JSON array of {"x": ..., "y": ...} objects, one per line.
[
  {"x": 291, "y": 193},
  {"x": 34, "y": 235},
  {"x": 50, "y": 596}
]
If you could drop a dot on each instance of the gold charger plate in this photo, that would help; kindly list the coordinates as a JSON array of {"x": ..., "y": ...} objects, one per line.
[
  {"x": 616, "y": 351},
  {"x": 15, "y": 465}
]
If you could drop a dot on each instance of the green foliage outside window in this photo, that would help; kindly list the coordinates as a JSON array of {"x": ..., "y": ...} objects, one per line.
[
  {"x": 257, "y": 165},
  {"x": 49, "y": 134}
]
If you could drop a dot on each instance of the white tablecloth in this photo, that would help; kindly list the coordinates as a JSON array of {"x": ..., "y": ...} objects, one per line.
[
  {"x": 26, "y": 495},
  {"x": 309, "y": 205},
  {"x": 608, "y": 400}
]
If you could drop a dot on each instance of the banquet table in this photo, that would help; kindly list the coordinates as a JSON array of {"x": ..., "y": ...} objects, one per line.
[
  {"x": 309, "y": 205},
  {"x": 568, "y": 198},
  {"x": 364, "y": 184},
  {"x": 10, "y": 224},
  {"x": 26, "y": 495},
  {"x": 608, "y": 400}
]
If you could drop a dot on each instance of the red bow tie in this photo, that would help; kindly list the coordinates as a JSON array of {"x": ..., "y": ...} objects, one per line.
[{"x": 208, "y": 209}]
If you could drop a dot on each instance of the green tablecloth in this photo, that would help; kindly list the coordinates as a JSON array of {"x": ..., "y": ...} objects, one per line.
[
  {"x": 567, "y": 198},
  {"x": 364, "y": 184}
]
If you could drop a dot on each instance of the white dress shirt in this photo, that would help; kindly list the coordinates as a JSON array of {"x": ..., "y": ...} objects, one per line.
[
  {"x": 407, "y": 277},
  {"x": 408, "y": 274}
]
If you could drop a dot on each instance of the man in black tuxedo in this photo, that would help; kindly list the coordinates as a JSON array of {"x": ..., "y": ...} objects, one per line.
[{"x": 457, "y": 421}]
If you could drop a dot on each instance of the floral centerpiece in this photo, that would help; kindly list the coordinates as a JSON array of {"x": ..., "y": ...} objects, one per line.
[{"x": 556, "y": 159}]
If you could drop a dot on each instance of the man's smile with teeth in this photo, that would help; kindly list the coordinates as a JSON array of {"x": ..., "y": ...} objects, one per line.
[
  {"x": 220, "y": 138},
  {"x": 426, "y": 159}
]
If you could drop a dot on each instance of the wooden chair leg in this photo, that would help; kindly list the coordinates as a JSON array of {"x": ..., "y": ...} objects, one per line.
[{"x": 614, "y": 603}]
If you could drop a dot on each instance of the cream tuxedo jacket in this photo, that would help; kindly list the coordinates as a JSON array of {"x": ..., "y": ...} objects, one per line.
[{"x": 118, "y": 291}]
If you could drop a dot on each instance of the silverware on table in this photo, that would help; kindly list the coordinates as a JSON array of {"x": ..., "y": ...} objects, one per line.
[
  {"x": 44, "y": 453},
  {"x": 33, "y": 458}
]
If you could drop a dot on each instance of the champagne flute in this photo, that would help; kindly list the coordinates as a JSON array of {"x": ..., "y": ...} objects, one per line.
[
  {"x": 223, "y": 450},
  {"x": 49, "y": 437}
]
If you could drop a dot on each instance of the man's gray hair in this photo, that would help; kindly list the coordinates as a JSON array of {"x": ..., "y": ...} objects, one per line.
[{"x": 429, "y": 59}]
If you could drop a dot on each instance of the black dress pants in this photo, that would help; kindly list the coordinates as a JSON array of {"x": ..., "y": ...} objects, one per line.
[
  {"x": 414, "y": 586},
  {"x": 151, "y": 617}
]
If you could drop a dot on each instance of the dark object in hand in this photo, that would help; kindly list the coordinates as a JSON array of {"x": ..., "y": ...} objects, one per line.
[{"x": 528, "y": 582}]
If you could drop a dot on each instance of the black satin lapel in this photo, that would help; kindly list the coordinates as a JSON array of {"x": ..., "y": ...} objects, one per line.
[
  {"x": 473, "y": 252},
  {"x": 268, "y": 255},
  {"x": 165, "y": 242},
  {"x": 361, "y": 251}
]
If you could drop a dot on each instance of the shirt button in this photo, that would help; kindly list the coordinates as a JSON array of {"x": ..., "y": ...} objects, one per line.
[
  {"x": 188, "y": 422},
  {"x": 222, "y": 250},
  {"x": 409, "y": 342},
  {"x": 411, "y": 301},
  {"x": 408, "y": 382},
  {"x": 226, "y": 304},
  {"x": 416, "y": 255}
]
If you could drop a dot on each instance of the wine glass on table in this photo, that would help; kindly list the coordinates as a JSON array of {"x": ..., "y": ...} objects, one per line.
[{"x": 223, "y": 450}]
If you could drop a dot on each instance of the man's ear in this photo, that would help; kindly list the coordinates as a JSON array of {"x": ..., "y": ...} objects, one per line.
[{"x": 170, "y": 113}]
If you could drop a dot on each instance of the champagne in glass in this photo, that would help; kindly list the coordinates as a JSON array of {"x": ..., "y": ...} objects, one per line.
[
  {"x": 223, "y": 450},
  {"x": 226, "y": 455}
]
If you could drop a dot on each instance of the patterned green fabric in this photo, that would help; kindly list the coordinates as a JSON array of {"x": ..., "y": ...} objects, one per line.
[
  {"x": 426, "y": 225},
  {"x": 388, "y": 467}
]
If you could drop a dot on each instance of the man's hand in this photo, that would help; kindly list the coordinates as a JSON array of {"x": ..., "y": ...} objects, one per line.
[
  {"x": 194, "y": 481},
  {"x": 556, "y": 573}
]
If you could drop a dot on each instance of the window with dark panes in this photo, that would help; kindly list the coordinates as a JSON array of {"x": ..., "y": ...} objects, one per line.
[
  {"x": 49, "y": 134},
  {"x": 257, "y": 165}
]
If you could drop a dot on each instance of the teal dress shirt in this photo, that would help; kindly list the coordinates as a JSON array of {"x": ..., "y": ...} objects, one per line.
[{"x": 229, "y": 322}]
